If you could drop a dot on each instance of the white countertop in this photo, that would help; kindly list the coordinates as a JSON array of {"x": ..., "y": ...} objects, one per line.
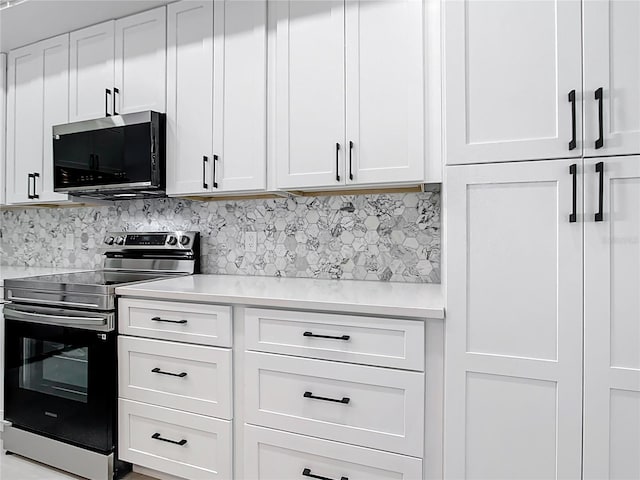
[
  {"x": 345, "y": 296},
  {"x": 7, "y": 272}
]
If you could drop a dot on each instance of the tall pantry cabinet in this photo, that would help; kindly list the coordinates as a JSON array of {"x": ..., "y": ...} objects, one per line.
[{"x": 543, "y": 256}]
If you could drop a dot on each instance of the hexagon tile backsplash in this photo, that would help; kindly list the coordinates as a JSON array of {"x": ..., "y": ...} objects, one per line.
[{"x": 388, "y": 237}]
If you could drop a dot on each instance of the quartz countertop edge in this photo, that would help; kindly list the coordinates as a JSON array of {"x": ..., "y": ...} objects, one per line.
[{"x": 411, "y": 300}]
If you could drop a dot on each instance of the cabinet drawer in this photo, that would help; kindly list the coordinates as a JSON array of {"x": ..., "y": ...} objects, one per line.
[
  {"x": 369, "y": 406},
  {"x": 370, "y": 340},
  {"x": 274, "y": 455},
  {"x": 176, "y": 375},
  {"x": 182, "y": 322},
  {"x": 199, "y": 447}
]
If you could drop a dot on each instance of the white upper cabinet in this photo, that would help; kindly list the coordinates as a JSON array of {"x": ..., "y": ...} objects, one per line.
[
  {"x": 385, "y": 66},
  {"x": 3, "y": 117},
  {"x": 140, "y": 62},
  {"x": 240, "y": 95},
  {"x": 510, "y": 70},
  {"x": 611, "y": 326},
  {"x": 189, "y": 97},
  {"x": 91, "y": 72},
  {"x": 309, "y": 123},
  {"x": 38, "y": 86},
  {"x": 612, "y": 77}
]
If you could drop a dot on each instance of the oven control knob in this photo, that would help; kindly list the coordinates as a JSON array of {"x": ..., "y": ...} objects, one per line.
[
  {"x": 119, "y": 240},
  {"x": 108, "y": 240},
  {"x": 172, "y": 240},
  {"x": 184, "y": 240}
]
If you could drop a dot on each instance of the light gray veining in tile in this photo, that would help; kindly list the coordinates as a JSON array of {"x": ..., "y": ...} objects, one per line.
[{"x": 388, "y": 237}]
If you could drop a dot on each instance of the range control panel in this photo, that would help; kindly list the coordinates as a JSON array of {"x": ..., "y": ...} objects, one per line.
[{"x": 150, "y": 240}]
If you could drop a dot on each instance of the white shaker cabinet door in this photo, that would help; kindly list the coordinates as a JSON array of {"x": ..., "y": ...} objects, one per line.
[
  {"x": 612, "y": 319},
  {"x": 189, "y": 97},
  {"x": 141, "y": 62},
  {"x": 510, "y": 67},
  {"x": 513, "y": 380},
  {"x": 91, "y": 72},
  {"x": 385, "y": 62},
  {"x": 309, "y": 126},
  {"x": 240, "y": 95},
  {"x": 612, "y": 77}
]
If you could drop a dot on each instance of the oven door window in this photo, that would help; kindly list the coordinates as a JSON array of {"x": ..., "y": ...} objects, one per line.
[{"x": 57, "y": 369}]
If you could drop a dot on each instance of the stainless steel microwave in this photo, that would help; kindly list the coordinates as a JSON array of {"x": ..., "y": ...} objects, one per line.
[{"x": 117, "y": 157}]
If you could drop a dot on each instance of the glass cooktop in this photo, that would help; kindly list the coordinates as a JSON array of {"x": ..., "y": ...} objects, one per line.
[{"x": 97, "y": 278}]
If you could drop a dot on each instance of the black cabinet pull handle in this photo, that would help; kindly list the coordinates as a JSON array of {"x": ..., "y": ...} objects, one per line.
[
  {"x": 600, "y": 140},
  {"x": 215, "y": 160},
  {"x": 156, "y": 436},
  {"x": 350, "y": 160},
  {"x": 573, "y": 170},
  {"x": 344, "y": 400},
  {"x": 158, "y": 319},
  {"x": 342, "y": 337},
  {"x": 35, "y": 188},
  {"x": 115, "y": 91},
  {"x": 572, "y": 99},
  {"x": 307, "y": 473},
  {"x": 29, "y": 177},
  {"x": 106, "y": 102},
  {"x": 181, "y": 374},
  {"x": 205, "y": 159},
  {"x": 337, "y": 162},
  {"x": 600, "y": 170}
]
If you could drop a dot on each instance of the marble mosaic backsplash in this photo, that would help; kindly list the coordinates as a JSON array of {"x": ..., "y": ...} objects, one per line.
[{"x": 387, "y": 237}]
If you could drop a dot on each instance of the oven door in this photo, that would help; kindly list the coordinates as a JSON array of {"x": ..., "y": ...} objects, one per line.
[{"x": 60, "y": 374}]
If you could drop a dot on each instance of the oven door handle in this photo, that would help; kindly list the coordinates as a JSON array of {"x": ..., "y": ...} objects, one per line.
[
  {"x": 52, "y": 302},
  {"x": 58, "y": 320}
]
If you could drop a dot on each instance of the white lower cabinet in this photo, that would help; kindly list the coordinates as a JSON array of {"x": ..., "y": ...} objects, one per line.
[{"x": 274, "y": 455}]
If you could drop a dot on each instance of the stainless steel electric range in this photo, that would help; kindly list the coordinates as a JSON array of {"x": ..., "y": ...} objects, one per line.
[{"x": 61, "y": 354}]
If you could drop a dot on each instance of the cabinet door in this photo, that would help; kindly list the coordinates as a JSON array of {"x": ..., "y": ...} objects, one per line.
[
  {"x": 91, "y": 72},
  {"x": 141, "y": 62},
  {"x": 385, "y": 91},
  {"x": 189, "y": 97},
  {"x": 513, "y": 384},
  {"x": 612, "y": 320},
  {"x": 509, "y": 69},
  {"x": 3, "y": 117},
  {"x": 612, "y": 63},
  {"x": 309, "y": 120},
  {"x": 240, "y": 95}
]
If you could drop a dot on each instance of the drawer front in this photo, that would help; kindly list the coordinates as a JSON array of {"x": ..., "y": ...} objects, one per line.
[
  {"x": 274, "y": 455},
  {"x": 176, "y": 375},
  {"x": 369, "y": 406},
  {"x": 181, "y": 322},
  {"x": 178, "y": 443},
  {"x": 386, "y": 342}
]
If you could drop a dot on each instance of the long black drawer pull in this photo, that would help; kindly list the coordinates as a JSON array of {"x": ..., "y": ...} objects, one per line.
[
  {"x": 205, "y": 159},
  {"x": 344, "y": 400},
  {"x": 215, "y": 160},
  {"x": 29, "y": 177},
  {"x": 337, "y": 162},
  {"x": 350, "y": 160},
  {"x": 600, "y": 140},
  {"x": 572, "y": 99},
  {"x": 35, "y": 187},
  {"x": 600, "y": 170},
  {"x": 342, "y": 337},
  {"x": 106, "y": 102},
  {"x": 156, "y": 436},
  {"x": 307, "y": 473},
  {"x": 181, "y": 374},
  {"x": 115, "y": 92},
  {"x": 158, "y": 319},
  {"x": 573, "y": 170}
]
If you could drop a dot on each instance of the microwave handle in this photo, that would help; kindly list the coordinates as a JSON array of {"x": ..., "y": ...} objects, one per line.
[{"x": 56, "y": 320}]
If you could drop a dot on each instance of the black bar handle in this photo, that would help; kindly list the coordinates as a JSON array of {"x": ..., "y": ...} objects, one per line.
[
  {"x": 115, "y": 91},
  {"x": 600, "y": 140},
  {"x": 29, "y": 177},
  {"x": 181, "y": 374},
  {"x": 307, "y": 473},
  {"x": 572, "y": 99},
  {"x": 573, "y": 170},
  {"x": 205, "y": 159},
  {"x": 600, "y": 170},
  {"x": 350, "y": 160},
  {"x": 337, "y": 162},
  {"x": 215, "y": 160},
  {"x": 35, "y": 188},
  {"x": 106, "y": 102},
  {"x": 158, "y": 319},
  {"x": 156, "y": 436},
  {"x": 344, "y": 400},
  {"x": 342, "y": 337}
]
